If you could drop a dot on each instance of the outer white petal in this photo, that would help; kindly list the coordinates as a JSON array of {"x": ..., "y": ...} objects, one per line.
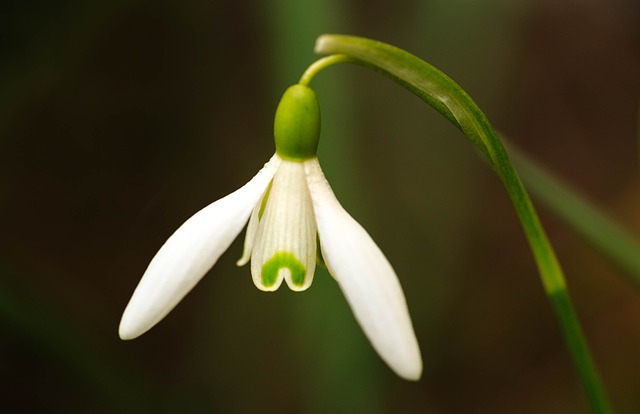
[
  {"x": 189, "y": 254},
  {"x": 285, "y": 245},
  {"x": 366, "y": 279}
]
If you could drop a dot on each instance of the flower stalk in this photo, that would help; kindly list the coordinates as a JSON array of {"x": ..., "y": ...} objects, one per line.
[{"x": 449, "y": 99}]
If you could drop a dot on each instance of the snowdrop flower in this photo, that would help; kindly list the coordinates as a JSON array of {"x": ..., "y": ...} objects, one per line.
[{"x": 290, "y": 207}]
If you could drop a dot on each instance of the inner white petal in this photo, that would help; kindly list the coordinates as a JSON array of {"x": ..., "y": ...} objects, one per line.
[
  {"x": 285, "y": 243},
  {"x": 252, "y": 229}
]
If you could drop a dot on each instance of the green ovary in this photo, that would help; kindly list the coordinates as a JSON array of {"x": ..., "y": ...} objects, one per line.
[
  {"x": 296, "y": 127},
  {"x": 281, "y": 260}
]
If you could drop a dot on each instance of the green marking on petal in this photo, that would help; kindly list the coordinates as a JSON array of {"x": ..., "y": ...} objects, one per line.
[{"x": 281, "y": 260}]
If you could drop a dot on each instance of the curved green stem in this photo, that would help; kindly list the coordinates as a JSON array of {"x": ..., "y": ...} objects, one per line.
[
  {"x": 444, "y": 95},
  {"x": 320, "y": 64}
]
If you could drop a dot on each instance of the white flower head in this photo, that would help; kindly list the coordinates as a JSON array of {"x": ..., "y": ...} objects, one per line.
[{"x": 289, "y": 206}]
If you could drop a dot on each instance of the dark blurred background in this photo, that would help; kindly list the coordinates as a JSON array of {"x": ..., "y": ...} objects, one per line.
[{"x": 119, "y": 119}]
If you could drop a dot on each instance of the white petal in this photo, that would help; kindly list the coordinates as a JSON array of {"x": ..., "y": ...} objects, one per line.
[
  {"x": 285, "y": 245},
  {"x": 189, "y": 254},
  {"x": 366, "y": 279},
  {"x": 252, "y": 230}
]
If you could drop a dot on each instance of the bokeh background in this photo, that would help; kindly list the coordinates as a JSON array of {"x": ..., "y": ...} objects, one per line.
[{"x": 119, "y": 119}]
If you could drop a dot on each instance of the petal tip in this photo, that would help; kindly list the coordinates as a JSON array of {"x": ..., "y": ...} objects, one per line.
[
  {"x": 403, "y": 358},
  {"x": 298, "y": 288},
  {"x": 126, "y": 333},
  {"x": 129, "y": 329},
  {"x": 409, "y": 365},
  {"x": 411, "y": 373},
  {"x": 267, "y": 288}
]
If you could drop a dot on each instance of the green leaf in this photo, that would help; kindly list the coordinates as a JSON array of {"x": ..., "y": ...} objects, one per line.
[{"x": 602, "y": 232}]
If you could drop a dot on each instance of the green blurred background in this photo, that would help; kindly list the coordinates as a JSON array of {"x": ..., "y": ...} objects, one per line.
[{"x": 120, "y": 119}]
